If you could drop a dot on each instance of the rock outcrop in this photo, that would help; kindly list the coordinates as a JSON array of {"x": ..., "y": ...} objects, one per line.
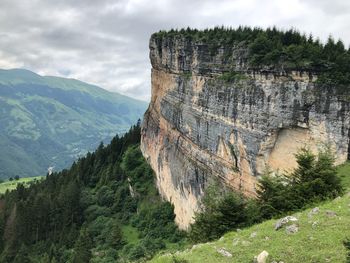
[{"x": 202, "y": 125}]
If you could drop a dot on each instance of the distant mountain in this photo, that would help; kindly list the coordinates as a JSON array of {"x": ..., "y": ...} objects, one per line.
[{"x": 50, "y": 121}]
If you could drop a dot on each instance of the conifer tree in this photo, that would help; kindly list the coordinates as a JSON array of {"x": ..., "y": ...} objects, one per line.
[
  {"x": 82, "y": 248},
  {"x": 22, "y": 255}
]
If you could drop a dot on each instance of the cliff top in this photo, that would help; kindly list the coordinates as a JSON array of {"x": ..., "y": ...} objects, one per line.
[{"x": 269, "y": 48}]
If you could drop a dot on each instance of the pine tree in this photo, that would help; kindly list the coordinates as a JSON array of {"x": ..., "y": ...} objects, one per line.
[
  {"x": 22, "y": 255},
  {"x": 116, "y": 237},
  {"x": 82, "y": 248}
]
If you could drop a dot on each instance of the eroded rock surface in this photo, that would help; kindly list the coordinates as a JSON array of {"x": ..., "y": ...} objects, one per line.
[{"x": 199, "y": 126}]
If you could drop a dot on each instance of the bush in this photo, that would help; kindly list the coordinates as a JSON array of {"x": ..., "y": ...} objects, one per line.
[
  {"x": 221, "y": 212},
  {"x": 314, "y": 179}
]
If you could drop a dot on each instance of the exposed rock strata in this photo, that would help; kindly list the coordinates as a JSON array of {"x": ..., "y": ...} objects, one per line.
[{"x": 199, "y": 127}]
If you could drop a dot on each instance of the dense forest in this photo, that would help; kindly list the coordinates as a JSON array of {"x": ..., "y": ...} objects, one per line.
[
  {"x": 272, "y": 48},
  {"x": 105, "y": 208}
]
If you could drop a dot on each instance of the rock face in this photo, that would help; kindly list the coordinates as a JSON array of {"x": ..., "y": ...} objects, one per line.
[{"x": 199, "y": 126}]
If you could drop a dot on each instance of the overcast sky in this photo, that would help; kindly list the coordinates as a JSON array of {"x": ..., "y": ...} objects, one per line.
[{"x": 105, "y": 42}]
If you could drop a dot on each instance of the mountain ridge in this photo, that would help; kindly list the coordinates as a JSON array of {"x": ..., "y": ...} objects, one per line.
[{"x": 51, "y": 121}]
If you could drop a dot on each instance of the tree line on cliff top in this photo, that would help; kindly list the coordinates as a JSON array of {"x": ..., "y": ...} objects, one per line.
[{"x": 276, "y": 49}]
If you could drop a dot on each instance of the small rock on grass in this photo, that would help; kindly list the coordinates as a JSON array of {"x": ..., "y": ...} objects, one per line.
[
  {"x": 254, "y": 234},
  {"x": 314, "y": 211},
  {"x": 224, "y": 252},
  {"x": 292, "y": 229},
  {"x": 285, "y": 220},
  {"x": 262, "y": 257},
  {"x": 331, "y": 213}
]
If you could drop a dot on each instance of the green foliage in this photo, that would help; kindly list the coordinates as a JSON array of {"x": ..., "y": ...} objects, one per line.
[
  {"x": 11, "y": 184},
  {"x": 80, "y": 214},
  {"x": 347, "y": 246},
  {"x": 314, "y": 179},
  {"x": 343, "y": 172},
  {"x": 187, "y": 75},
  {"x": 83, "y": 248},
  {"x": 178, "y": 260},
  {"x": 273, "y": 49},
  {"x": 22, "y": 256},
  {"x": 115, "y": 237},
  {"x": 232, "y": 76},
  {"x": 222, "y": 212}
]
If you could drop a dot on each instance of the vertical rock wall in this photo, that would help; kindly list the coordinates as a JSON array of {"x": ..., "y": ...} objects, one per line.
[{"x": 199, "y": 127}]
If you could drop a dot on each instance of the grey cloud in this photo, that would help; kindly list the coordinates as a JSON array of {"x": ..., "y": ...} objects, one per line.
[{"x": 105, "y": 42}]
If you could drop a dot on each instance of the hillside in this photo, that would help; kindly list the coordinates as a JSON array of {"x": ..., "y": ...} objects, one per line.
[
  {"x": 50, "y": 121},
  {"x": 319, "y": 239},
  {"x": 12, "y": 184},
  {"x": 105, "y": 208}
]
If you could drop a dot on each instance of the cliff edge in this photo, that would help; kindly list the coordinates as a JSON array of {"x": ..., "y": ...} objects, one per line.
[{"x": 213, "y": 116}]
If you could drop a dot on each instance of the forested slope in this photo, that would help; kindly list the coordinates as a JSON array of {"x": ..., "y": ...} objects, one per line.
[{"x": 104, "y": 208}]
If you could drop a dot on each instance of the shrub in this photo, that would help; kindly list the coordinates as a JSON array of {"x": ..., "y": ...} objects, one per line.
[
  {"x": 221, "y": 212},
  {"x": 313, "y": 180}
]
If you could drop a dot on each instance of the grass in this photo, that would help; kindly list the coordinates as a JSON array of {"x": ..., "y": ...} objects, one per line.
[
  {"x": 11, "y": 185},
  {"x": 232, "y": 76},
  {"x": 322, "y": 242}
]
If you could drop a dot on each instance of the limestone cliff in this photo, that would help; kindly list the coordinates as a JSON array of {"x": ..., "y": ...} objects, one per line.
[{"x": 201, "y": 126}]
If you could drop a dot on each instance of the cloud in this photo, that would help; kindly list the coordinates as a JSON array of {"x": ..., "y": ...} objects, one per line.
[{"x": 105, "y": 42}]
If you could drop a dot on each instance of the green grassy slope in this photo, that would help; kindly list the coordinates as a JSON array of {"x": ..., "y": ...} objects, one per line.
[
  {"x": 11, "y": 185},
  {"x": 50, "y": 121},
  {"x": 320, "y": 237}
]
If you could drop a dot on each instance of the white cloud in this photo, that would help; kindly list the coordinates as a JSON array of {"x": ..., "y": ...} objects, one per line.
[{"x": 105, "y": 42}]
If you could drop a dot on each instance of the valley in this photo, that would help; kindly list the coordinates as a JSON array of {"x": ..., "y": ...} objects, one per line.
[{"x": 50, "y": 121}]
